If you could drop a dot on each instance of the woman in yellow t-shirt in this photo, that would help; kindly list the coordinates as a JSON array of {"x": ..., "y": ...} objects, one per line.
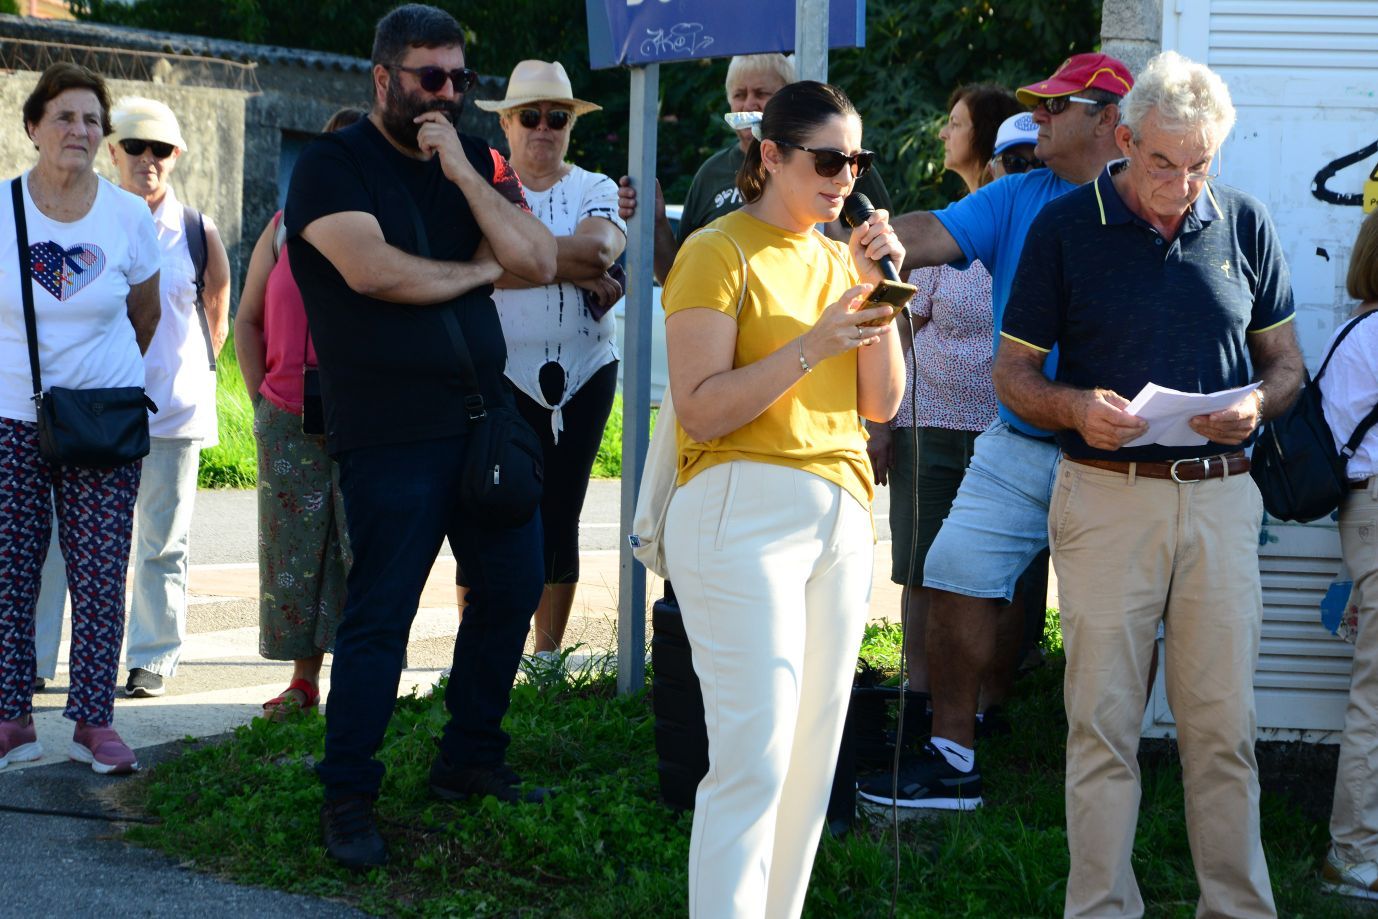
[{"x": 769, "y": 540}]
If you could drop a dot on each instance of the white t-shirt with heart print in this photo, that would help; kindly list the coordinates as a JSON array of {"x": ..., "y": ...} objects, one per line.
[{"x": 82, "y": 273}]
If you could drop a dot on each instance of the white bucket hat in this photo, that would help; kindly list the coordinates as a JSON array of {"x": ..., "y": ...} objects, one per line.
[
  {"x": 137, "y": 118},
  {"x": 538, "y": 81}
]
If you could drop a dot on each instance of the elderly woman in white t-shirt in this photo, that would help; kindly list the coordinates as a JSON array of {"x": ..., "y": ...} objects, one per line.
[
  {"x": 561, "y": 352},
  {"x": 145, "y": 145},
  {"x": 95, "y": 262}
]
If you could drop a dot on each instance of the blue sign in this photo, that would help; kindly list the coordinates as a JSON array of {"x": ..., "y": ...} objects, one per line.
[{"x": 635, "y": 32}]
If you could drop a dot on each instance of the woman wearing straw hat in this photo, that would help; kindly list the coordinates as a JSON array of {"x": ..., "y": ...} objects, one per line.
[{"x": 561, "y": 349}]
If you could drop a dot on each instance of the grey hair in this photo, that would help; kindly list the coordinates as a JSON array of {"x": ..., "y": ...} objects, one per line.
[
  {"x": 777, "y": 64},
  {"x": 1183, "y": 95}
]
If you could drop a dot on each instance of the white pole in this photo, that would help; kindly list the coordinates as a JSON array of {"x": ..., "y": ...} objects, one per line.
[
  {"x": 636, "y": 371},
  {"x": 811, "y": 40}
]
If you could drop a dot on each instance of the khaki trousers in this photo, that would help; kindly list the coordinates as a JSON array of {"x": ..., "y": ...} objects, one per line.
[
  {"x": 1354, "y": 818},
  {"x": 1128, "y": 553},
  {"x": 772, "y": 568}
]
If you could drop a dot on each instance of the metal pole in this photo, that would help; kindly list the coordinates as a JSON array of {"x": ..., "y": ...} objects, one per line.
[
  {"x": 636, "y": 372},
  {"x": 811, "y": 40}
]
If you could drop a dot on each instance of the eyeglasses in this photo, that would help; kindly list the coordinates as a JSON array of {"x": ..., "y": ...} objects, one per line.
[
  {"x": 1167, "y": 174},
  {"x": 1056, "y": 105},
  {"x": 557, "y": 119},
  {"x": 137, "y": 147},
  {"x": 1014, "y": 163},
  {"x": 432, "y": 79},
  {"x": 829, "y": 163}
]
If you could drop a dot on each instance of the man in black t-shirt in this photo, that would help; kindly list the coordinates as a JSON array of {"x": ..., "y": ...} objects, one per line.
[{"x": 395, "y": 221}]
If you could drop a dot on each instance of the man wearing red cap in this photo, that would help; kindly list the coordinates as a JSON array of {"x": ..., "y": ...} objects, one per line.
[{"x": 999, "y": 519}]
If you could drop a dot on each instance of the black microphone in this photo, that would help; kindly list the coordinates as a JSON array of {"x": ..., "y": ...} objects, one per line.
[{"x": 856, "y": 210}]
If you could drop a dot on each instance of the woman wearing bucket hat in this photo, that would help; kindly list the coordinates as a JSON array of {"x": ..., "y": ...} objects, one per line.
[{"x": 561, "y": 353}]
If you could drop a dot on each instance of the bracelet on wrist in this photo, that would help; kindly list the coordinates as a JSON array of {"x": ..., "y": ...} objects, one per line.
[{"x": 803, "y": 363}]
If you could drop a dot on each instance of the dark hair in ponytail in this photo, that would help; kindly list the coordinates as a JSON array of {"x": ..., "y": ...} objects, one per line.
[{"x": 791, "y": 115}]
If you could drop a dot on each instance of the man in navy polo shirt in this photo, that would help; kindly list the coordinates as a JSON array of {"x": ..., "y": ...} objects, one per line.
[
  {"x": 1152, "y": 274},
  {"x": 999, "y": 520}
]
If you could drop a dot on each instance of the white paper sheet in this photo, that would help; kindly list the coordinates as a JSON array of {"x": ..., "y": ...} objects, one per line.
[{"x": 1167, "y": 412}]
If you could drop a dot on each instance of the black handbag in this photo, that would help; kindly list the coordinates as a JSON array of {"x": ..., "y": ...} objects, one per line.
[
  {"x": 1299, "y": 473},
  {"x": 93, "y": 428}
]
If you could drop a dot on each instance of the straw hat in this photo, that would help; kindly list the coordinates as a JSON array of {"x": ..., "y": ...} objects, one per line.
[
  {"x": 136, "y": 118},
  {"x": 538, "y": 81}
]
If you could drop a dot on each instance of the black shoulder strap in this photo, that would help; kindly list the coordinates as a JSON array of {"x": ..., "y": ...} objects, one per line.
[
  {"x": 1371, "y": 418},
  {"x": 194, "y": 227},
  {"x": 21, "y": 232},
  {"x": 1339, "y": 338}
]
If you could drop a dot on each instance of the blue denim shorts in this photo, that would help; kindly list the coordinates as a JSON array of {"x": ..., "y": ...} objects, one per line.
[{"x": 999, "y": 519}]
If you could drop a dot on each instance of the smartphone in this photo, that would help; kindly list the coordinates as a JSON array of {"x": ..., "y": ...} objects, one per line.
[{"x": 893, "y": 294}]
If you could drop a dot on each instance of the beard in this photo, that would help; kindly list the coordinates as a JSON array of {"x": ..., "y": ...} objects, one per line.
[{"x": 402, "y": 107}]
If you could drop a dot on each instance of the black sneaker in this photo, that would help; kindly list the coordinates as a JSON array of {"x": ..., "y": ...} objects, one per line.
[
  {"x": 143, "y": 684},
  {"x": 926, "y": 780},
  {"x": 39, "y": 684},
  {"x": 451, "y": 784},
  {"x": 351, "y": 834}
]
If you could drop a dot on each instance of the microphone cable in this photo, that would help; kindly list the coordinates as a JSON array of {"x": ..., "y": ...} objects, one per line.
[{"x": 911, "y": 386}]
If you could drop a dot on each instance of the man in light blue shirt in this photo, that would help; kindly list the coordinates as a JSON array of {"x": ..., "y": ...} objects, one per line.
[{"x": 999, "y": 519}]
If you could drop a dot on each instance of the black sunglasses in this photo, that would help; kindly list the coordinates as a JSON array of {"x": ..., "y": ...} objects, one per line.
[
  {"x": 829, "y": 163},
  {"x": 1056, "y": 105},
  {"x": 137, "y": 147},
  {"x": 1015, "y": 163},
  {"x": 432, "y": 79},
  {"x": 557, "y": 118}
]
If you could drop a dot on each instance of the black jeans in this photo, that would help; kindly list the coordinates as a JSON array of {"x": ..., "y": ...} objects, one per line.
[{"x": 400, "y": 502}]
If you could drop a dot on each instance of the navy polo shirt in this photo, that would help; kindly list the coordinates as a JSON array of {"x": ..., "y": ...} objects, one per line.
[{"x": 1126, "y": 307}]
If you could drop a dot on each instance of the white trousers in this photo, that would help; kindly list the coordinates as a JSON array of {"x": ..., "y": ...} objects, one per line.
[{"x": 772, "y": 569}]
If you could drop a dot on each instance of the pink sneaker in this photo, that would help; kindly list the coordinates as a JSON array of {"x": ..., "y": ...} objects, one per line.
[
  {"x": 103, "y": 749},
  {"x": 18, "y": 743}
]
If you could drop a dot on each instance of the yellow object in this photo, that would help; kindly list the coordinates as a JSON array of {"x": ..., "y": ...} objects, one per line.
[
  {"x": 792, "y": 278},
  {"x": 1371, "y": 192}
]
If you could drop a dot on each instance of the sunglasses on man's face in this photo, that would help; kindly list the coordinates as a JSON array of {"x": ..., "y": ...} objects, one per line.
[
  {"x": 137, "y": 147},
  {"x": 829, "y": 163},
  {"x": 1058, "y": 104},
  {"x": 1014, "y": 163},
  {"x": 557, "y": 119},
  {"x": 432, "y": 79}
]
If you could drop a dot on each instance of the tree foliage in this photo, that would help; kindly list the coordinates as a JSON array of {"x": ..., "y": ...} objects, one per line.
[{"x": 917, "y": 52}]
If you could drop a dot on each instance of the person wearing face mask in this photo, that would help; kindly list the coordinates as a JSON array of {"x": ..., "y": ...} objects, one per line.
[
  {"x": 751, "y": 80},
  {"x": 774, "y": 353},
  {"x": 94, "y": 260},
  {"x": 561, "y": 351}
]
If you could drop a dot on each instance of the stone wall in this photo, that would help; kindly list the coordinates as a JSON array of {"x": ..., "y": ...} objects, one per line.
[{"x": 1132, "y": 30}]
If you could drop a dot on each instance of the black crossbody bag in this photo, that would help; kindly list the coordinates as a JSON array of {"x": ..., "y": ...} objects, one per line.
[
  {"x": 93, "y": 428},
  {"x": 1295, "y": 465},
  {"x": 501, "y": 482}
]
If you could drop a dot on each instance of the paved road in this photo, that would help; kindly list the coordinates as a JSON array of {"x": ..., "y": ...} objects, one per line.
[{"x": 222, "y": 683}]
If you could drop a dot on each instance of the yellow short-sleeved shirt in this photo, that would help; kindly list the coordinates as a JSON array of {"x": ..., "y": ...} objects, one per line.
[{"x": 791, "y": 278}]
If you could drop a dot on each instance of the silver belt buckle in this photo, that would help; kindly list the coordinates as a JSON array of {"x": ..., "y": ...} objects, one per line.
[{"x": 1205, "y": 462}]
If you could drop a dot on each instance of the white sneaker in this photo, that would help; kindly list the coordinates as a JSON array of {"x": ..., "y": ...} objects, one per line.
[{"x": 1349, "y": 879}]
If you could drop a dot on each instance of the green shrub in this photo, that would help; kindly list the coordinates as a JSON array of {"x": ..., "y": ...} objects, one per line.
[{"x": 234, "y": 462}]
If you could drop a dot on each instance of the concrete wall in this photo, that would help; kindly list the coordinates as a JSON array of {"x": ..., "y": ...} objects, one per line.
[
  {"x": 209, "y": 176},
  {"x": 1132, "y": 30}
]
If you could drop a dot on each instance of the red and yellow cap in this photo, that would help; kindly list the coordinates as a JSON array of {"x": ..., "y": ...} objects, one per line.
[{"x": 1078, "y": 72}]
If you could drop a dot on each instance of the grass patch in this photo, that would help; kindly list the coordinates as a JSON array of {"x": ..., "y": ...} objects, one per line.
[
  {"x": 233, "y": 463},
  {"x": 247, "y": 808},
  {"x": 608, "y": 463}
]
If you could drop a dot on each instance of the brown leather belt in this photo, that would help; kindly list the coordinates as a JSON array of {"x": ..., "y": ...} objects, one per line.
[{"x": 1195, "y": 469}]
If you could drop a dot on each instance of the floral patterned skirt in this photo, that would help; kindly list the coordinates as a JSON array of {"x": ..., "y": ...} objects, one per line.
[{"x": 303, "y": 547}]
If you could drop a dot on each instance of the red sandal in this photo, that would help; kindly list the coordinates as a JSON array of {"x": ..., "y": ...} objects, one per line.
[{"x": 282, "y": 705}]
